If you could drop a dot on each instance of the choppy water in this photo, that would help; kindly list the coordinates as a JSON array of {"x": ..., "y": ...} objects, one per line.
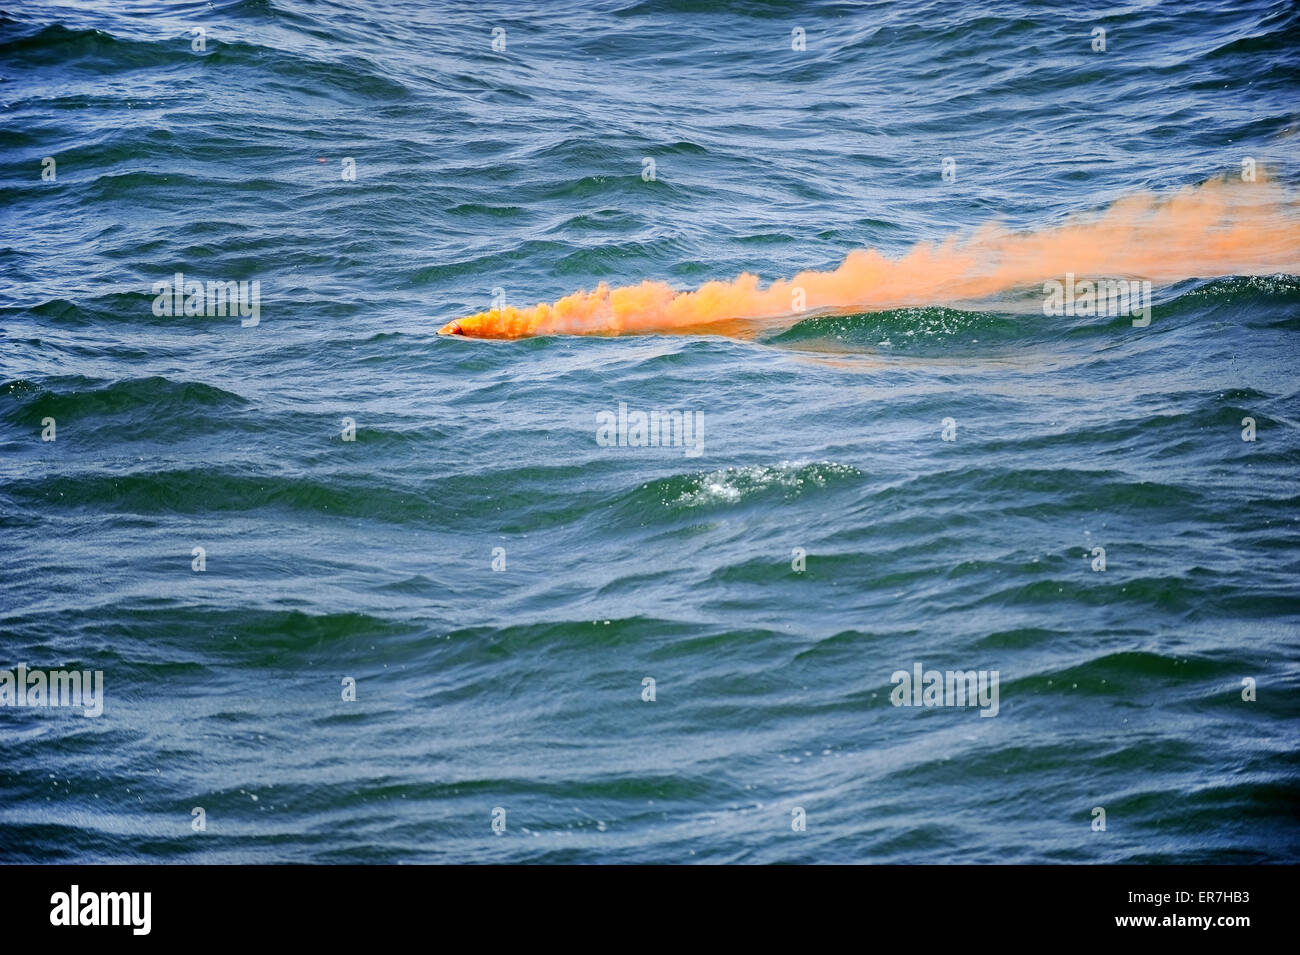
[{"x": 522, "y": 688}]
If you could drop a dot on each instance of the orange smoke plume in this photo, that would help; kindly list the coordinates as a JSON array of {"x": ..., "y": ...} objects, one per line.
[{"x": 1221, "y": 227}]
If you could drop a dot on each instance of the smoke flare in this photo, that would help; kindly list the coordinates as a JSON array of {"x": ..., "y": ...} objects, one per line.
[{"x": 1221, "y": 227}]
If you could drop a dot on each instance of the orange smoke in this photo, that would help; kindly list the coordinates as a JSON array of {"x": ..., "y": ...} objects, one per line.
[{"x": 1221, "y": 227}]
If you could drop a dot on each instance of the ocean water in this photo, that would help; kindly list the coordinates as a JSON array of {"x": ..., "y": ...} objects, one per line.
[{"x": 819, "y": 534}]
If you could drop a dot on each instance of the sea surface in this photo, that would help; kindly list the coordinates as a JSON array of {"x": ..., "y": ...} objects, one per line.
[{"x": 825, "y": 535}]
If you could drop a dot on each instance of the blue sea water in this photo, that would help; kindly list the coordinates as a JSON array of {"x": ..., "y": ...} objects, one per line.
[{"x": 221, "y": 156}]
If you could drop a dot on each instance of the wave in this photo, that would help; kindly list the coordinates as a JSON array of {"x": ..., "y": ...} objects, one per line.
[{"x": 733, "y": 485}]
